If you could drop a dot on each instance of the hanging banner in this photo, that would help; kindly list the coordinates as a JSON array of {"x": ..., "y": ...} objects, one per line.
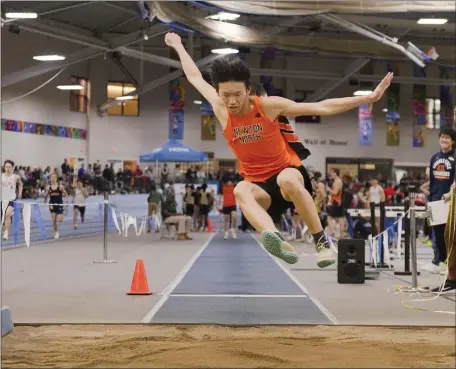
[
  {"x": 176, "y": 110},
  {"x": 208, "y": 121},
  {"x": 365, "y": 134},
  {"x": 446, "y": 101},
  {"x": 419, "y": 109},
  {"x": 419, "y": 115},
  {"x": 365, "y": 125},
  {"x": 393, "y": 116}
]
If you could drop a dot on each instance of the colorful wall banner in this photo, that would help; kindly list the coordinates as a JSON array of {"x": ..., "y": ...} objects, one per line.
[
  {"x": 446, "y": 100},
  {"x": 365, "y": 125},
  {"x": 365, "y": 133},
  {"x": 419, "y": 115},
  {"x": 419, "y": 109},
  {"x": 393, "y": 116},
  {"x": 208, "y": 121},
  {"x": 176, "y": 110},
  {"x": 43, "y": 129}
]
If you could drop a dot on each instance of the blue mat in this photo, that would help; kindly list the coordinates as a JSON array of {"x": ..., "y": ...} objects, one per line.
[
  {"x": 239, "y": 311},
  {"x": 236, "y": 267}
]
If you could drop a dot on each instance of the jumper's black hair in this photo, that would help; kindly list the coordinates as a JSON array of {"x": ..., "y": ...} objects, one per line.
[
  {"x": 448, "y": 130},
  {"x": 230, "y": 69}
]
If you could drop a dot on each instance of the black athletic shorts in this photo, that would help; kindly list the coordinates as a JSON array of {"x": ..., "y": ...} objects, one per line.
[
  {"x": 57, "y": 209},
  {"x": 82, "y": 209},
  {"x": 203, "y": 209},
  {"x": 189, "y": 210},
  {"x": 10, "y": 205},
  {"x": 227, "y": 210},
  {"x": 336, "y": 211},
  {"x": 278, "y": 204}
]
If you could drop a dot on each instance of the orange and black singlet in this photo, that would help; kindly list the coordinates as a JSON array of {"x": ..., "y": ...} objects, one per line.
[{"x": 258, "y": 144}]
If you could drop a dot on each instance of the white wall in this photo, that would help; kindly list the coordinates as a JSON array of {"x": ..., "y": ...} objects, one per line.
[{"x": 127, "y": 137}]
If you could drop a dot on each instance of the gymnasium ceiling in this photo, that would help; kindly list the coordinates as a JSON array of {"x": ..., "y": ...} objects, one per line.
[{"x": 307, "y": 27}]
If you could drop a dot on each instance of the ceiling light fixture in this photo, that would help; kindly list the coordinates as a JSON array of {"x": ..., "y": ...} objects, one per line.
[
  {"x": 122, "y": 98},
  {"x": 197, "y": 102},
  {"x": 225, "y": 51},
  {"x": 21, "y": 15},
  {"x": 48, "y": 57},
  {"x": 224, "y": 16},
  {"x": 432, "y": 21},
  {"x": 70, "y": 87},
  {"x": 362, "y": 93}
]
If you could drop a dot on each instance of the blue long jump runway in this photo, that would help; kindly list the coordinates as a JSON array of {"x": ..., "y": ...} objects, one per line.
[{"x": 237, "y": 282}]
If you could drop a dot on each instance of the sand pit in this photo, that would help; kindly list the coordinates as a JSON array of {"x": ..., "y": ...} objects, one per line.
[{"x": 112, "y": 346}]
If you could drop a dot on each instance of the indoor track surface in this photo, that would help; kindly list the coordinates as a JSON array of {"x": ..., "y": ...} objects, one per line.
[{"x": 215, "y": 302}]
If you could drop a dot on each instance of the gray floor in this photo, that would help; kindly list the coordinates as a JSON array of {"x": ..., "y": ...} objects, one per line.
[{"x": 59, "y": 283}]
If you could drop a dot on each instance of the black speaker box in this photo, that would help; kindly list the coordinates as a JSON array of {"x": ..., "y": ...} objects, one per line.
[{"x": 351, "y": 261}]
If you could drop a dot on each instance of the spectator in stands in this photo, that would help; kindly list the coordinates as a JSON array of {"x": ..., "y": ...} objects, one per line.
[
  {"x": 178, "y": 173},
  {"x": 127, "y": 176},
  {"x": 81, "y": 172},
  {"x": 66, "y": 167},
  {"x": 190, "y": 175},
  {"x": 98, "y": 180},
  {"x": 149, "y": 173},
  {"x": 189, "y": 200},
  {"x": 153, "y": 203},
  {"x": 204, "y": 207},
  {"x": 164, "y": 174},
  {"x": 200, "y": 174},
  {"x": 170, "y": 217},
  {"x": 335, "y": 210},
  {"x": 376, "y": 195},
  {"x": 398, "y": 196},
  {"x": 108, "y": 176}
]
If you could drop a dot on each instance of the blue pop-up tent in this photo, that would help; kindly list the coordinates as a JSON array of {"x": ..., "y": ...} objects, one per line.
[{"x": 173, "y": 151}]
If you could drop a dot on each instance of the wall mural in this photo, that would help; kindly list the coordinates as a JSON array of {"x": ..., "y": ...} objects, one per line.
[{"x": 43, "y": 129}]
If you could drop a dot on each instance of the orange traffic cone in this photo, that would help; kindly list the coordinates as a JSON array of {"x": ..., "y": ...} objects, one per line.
[
  {"x": 209, "y": 226},
  {"x": 139, "y": 284}
]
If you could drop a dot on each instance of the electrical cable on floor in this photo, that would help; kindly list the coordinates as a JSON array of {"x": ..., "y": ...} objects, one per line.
[{"x": 421, "y": 291}]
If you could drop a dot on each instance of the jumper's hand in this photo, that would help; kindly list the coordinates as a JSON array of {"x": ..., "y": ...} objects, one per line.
[
  {"x": 173, "y": 40},
  {"x": 381, "y": 88}
]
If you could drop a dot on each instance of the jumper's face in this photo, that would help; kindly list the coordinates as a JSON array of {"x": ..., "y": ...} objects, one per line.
[
  {"x": 445, "y": 142},
  {"x": 234, "y": 95}
]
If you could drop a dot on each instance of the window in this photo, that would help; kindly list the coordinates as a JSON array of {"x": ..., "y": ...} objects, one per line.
[
  {"x": 127, "y": 107},
  {"x": 79, "y": 98},
  {"x": 432, "y": 113}
]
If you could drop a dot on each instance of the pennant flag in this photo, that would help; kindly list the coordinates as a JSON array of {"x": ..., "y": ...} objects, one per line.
[
  {"x": 16, "y": 221},
  {"x": 114, "y": 218},
  {"x": 369, "y": 242},
  {"x": 27, "y": 214},
  {"x": 110, "y": 220},
  {"x": 39, "y": 221},
  {"x": 122, "y": 222}
]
